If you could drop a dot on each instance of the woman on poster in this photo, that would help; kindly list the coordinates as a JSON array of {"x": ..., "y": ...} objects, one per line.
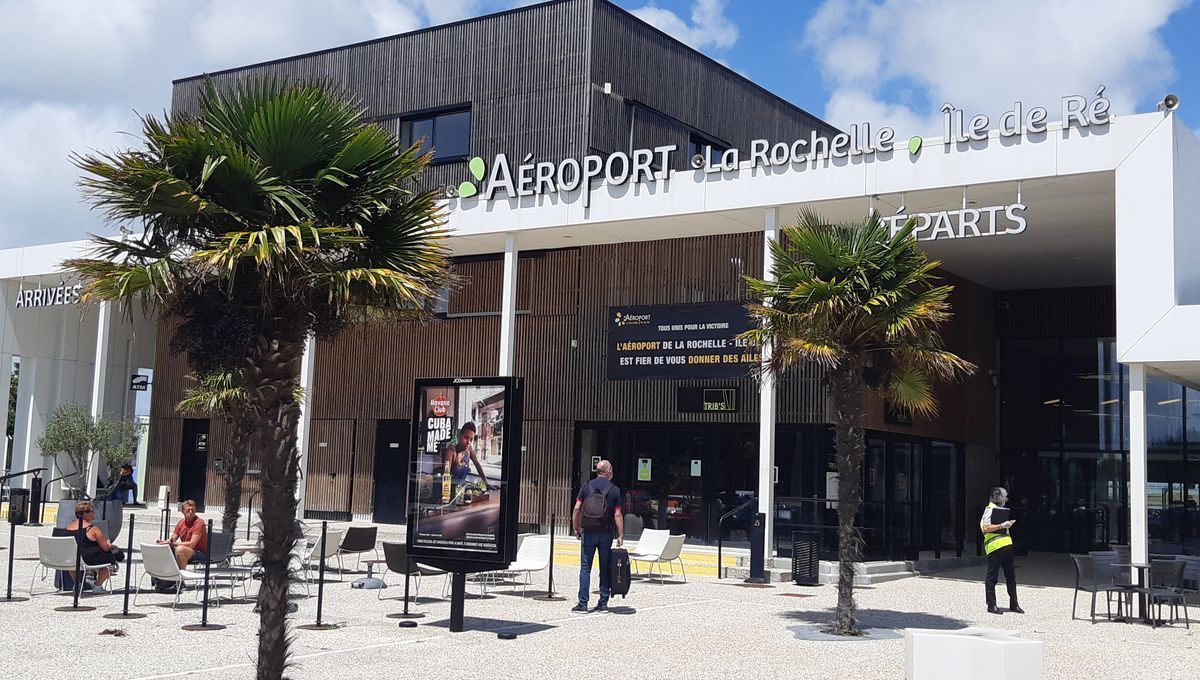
[{"x": 456, "y": 455}]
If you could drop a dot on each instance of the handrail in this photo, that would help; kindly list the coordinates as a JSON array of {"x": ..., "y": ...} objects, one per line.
[
  {"x": 59, "y": 479},
  {"x": 22, "y": 474},
  {"x": 720, "y": 539}
]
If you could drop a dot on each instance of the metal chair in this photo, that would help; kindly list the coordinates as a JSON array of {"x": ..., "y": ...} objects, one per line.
[
  {"x": 396, "y": 556},
  {"x": 333, "y": 539},
  {"x": 358, "y": 540},
  {"x": 1094, "y": 579},
  {"x": 158, "y": 562},
  {"x": 1166, "y": 587}
]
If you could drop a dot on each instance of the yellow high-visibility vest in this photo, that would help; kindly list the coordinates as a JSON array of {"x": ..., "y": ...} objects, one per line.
[{"x": 995, "y": 540}]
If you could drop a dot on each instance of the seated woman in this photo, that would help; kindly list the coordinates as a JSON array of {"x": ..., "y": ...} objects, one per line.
[{"x": 94, "y": 547}]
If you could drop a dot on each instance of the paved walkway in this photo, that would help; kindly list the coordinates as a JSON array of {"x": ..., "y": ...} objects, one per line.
[{"x": 702, "y": 629}]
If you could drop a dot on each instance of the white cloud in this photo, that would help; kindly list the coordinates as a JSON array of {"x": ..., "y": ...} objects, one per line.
[
  {"x": 897, "y": 62},
  {"x": 41, "y": 202},
  {"x": 709, "y": 27},
  {"x": 76, "y": 73}
]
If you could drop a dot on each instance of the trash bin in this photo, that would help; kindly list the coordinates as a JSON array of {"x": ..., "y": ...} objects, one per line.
[{"x": 805, "y": 562}]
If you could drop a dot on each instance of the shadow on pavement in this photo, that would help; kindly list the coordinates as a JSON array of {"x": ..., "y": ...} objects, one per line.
[
  {"x": 882, "y": 618},
  {"x": 495, "y": 625},
  {"x": 1035, "y": 570}
]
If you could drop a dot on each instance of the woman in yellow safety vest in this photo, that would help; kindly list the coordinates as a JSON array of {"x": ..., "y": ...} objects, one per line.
[{"x": 998, "y": 545}]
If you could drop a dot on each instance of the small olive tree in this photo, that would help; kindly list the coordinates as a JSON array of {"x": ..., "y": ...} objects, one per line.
[{"x": 72, "y": 433}]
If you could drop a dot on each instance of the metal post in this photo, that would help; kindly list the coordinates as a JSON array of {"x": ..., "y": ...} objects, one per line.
[
  {"x": 128, "y": 571},
  {"x": 321, "y": 572},
  {"x": 458, "y": 593},
  {"x": 406, "y": 614},
  {"x": 320, "y": 583},
  {"x": 757, "y": 549},
  {"x": 79, "y": 579},
  {"x": 12, "y": 548},
  {"x": 204, "y": 624},
  {"x": 550, "y": 596}
]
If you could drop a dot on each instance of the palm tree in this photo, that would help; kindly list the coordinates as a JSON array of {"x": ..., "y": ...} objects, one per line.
[
  {"x": 864, "y": 305},
  {"x": 275, "y": 213},
  {"x": 225, "y": 393}
]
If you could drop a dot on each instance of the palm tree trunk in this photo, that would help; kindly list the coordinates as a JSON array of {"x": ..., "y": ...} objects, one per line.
[
  {"x": 846, "y": 392},
  {"x": 273, "y": 367},
  {"x": 236, "y": 463}
]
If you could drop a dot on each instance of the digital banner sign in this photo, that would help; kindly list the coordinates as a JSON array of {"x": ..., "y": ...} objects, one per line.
[
  {"x": 680, "y": 341},
  {"x": 465, "y": 466}
]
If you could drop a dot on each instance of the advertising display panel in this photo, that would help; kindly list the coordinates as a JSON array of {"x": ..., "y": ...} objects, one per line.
[
  {"x": 680, "y": 341},
  {"x": 464, "y": 470}
]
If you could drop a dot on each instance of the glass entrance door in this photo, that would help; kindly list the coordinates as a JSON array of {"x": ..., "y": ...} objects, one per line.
[{"x": 675, "y": 478}]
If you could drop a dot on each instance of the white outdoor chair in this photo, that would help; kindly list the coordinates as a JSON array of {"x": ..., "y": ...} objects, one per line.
[
  {"x": 57, "y": 553},
  {"x": 533, "y": 556},
  {"x": 158, "y": 562},
  {"x": 650, "y": 545},
  {"x": 669, "y": 554},
  {"x": 312, "y": 553}
]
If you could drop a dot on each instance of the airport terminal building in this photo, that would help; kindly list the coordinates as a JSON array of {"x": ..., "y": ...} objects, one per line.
[{"x": 625, "y": 187}]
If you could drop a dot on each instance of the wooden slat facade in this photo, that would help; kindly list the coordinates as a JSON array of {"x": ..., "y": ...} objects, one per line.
[{"x": 366, "y": 373}]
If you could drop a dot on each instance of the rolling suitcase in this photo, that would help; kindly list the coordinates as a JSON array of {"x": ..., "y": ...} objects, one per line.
[{"x": 620, "y": 571}]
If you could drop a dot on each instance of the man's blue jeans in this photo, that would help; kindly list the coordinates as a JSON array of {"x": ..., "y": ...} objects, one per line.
[{"x": 593, "y": 542}]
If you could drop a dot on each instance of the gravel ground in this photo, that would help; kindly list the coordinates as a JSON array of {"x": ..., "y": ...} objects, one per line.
[{"x": 702, "y": 629}]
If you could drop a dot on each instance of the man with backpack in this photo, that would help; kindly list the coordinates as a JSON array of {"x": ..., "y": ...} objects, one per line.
[{"x": 597, "y": 515}]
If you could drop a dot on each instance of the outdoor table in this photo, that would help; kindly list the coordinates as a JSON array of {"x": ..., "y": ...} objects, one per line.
[
  {"x": 1141, "y": 568},
  {"x": 369, "y": 582}
]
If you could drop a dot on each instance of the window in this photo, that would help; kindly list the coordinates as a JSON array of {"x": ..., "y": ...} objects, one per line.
[
  {"x": 448, "y": 132},
  {"x": 696, "y": 144}
]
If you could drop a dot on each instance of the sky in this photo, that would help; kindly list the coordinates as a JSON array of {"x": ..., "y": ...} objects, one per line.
[{"x": 78, "y": 72}]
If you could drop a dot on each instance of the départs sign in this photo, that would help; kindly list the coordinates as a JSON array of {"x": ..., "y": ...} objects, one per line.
[{"x": 530, "y": 177}]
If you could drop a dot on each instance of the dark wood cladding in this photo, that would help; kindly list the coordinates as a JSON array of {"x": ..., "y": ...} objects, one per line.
[
  {"x": 365, "y": 374},
  {"x": 1057, "y": 312},
  {"x": 522, "y": 73},
  {"x": 649, "y": 69}
]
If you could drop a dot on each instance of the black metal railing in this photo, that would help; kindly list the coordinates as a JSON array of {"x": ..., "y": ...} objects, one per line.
[
  {"x": 721, "y": 534},
  {"x": 890, "y": 529}
]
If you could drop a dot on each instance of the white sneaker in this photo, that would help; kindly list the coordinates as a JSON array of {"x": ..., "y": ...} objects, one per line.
[{"x": 98, "y": 589}]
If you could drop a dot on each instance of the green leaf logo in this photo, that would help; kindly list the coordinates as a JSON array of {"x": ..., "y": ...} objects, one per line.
[
  {"x": 477, "y": 168},
  {"x": 914, "y": 146}
]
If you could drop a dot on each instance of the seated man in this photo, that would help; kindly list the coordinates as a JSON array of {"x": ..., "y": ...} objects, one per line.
[
  {"x": 125, "y": 485},
  {"x": 189, "y": 540}
]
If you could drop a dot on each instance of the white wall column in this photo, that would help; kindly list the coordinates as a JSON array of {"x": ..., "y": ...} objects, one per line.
[
  {"x": 766, "y": 404},
  {"x": 307, "y": 365},
  {"x": 1138, "y": 527},
  {"x": 99, "y": 378},
  {"x": 508, "y": 308}
]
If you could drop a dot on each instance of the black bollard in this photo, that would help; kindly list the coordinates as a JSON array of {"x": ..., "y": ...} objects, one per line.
[
  {"x": 128, "y": 571},
  {"x": 406, "y": 614},
  {"x": 320, "y": 584},
  {"x": 12, "y": 547},
  {"x": 549, "y": 596},
  {"x": 79, "y": 579},
  {"x": 204, "y": 624}
]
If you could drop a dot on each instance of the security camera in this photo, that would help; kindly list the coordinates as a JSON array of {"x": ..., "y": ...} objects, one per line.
[
  {"x": 1169, "y": 102},
  {"x": 698, "y": 161},
  {"x": 450, "y": 191}
]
